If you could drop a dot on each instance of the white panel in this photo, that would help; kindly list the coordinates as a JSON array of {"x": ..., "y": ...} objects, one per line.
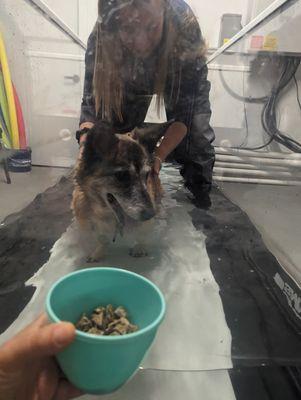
[
  {"x": 67, "y": 10},
  {"x": 210, "y": 17},
  {"x": 284, "y": 27},
  {"x": 55, "y": 118},
  {"x": 53, "y": 143},
  {"x": 260, "y": 5},
  {"x": 40, "y": 58},
  {"x": 88, "y": 17}
]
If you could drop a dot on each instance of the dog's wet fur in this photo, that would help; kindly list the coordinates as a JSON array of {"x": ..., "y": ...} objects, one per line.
[{"x": 114, "y": 183}]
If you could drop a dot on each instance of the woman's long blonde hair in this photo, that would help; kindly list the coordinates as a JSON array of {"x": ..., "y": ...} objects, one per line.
[{"x": 111, "y": 60}]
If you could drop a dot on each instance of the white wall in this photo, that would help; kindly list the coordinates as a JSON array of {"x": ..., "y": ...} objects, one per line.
[
  {"x": 40, "y": 57},
  {"x": 88, "y": 17},
  {"x": 80, "y": 15},
  {"x": 67, "y": 10},
  {"x": 210, "y": 14}
]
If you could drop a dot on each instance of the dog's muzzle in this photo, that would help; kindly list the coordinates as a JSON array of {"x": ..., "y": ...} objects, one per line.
[{"x": 144, "y": 215}]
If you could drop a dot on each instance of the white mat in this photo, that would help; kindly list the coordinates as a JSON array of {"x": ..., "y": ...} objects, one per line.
[{"x": 194, "y": 336}]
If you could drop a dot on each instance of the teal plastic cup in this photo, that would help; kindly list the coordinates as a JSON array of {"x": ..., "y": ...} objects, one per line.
[{"x": 102, "y": 364}]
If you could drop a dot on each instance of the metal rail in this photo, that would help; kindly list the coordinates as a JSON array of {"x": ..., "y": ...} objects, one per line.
[
  {"x": 49, "y": 14},
  {"x": 251, "y": 25}
]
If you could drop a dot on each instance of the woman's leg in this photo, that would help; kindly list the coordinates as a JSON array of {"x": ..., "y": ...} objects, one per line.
[{"x": 197, "y": 156}]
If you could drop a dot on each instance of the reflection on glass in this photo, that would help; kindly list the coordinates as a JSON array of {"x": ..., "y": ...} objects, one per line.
[{"x": 227, "y": 253}]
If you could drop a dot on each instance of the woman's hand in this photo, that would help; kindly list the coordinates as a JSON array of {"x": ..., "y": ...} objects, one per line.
[
  {"x": 172, "y": 138},
  {"x": 28, "y": 370}
]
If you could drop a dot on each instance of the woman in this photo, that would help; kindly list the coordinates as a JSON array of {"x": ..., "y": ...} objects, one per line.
[{"x": 143, "y": 47}]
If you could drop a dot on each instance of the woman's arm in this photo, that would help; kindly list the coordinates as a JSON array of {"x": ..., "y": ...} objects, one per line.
[
  {"x": 172, "y": 138},
  {"x": 88, "y": 113},
  {"x": 189, "y": 102}
]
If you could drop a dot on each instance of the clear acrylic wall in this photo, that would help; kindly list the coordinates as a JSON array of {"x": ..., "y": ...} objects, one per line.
[
  {"x": 256, "y": 116},
  {"x": 47, "y": 67},
  {"x": 256, "y": 112},
  {"x": 246, "y": 74},
  {"x": 254, "y": 95}
]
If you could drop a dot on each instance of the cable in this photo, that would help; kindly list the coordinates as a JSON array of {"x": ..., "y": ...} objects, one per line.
[
  {"x": 245, "y": 114},
  {"x": 290, "y": 66},
  {"x": 269, "y": 114},
  {"x": 244, "y": 99},
  {"x": 269, "y": 111},
  {"x": 297, "y": 89},
  {"x": 238, "y": 96}
]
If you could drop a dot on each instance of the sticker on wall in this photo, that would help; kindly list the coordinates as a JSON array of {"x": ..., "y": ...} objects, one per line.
[
  {"x": 257, "y": 42},
  {"x": 226, "y": 40},
  {"x": 270, "y": 43}
]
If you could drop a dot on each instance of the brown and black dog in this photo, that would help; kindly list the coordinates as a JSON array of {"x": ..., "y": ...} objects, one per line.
[{"x": 115, "y": 187}]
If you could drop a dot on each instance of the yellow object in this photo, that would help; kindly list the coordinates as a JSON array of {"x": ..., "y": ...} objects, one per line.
[
  {"x": 270, "y": 43},
  {"x": 226, "y": 40},
  {"x": 10, "y": 95},
  {"x": 5, "y": 138}
]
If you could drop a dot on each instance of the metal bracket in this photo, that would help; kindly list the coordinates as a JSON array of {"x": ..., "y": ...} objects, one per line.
[{"x": 251, "y": 25}]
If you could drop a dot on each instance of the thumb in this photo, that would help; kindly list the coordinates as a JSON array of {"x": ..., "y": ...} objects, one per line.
[
  {"x": 37, "y": 341},
  {"x": 52, "y": 339}
]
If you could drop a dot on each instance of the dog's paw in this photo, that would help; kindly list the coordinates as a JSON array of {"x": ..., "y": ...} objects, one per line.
[
  {"x": 138, "y": 251},
  {"x": 91, "y": 259},
  {"x": 96, "y": 256}
]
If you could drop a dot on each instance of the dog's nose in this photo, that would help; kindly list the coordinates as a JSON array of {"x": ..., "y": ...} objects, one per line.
[{"x": 147, "y": 214}]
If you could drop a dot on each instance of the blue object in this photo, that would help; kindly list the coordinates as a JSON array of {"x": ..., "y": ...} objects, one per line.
[
  {"x": 20, "y": 160},
  {"x": 102, "y": 364}
]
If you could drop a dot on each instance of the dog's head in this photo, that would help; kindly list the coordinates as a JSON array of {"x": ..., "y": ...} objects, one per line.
[{"x": 116, "y": 169}]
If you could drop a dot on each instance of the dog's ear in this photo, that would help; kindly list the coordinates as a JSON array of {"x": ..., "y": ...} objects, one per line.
[
  {"x": 150, "y": 135},
  {"x": 101, "y": 143}
]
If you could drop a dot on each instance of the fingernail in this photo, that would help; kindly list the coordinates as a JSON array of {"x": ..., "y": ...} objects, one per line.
[{"x": 61, "y": 336}]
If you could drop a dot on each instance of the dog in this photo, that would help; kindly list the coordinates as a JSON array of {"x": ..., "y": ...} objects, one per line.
[{"x": 115, "y": 189}]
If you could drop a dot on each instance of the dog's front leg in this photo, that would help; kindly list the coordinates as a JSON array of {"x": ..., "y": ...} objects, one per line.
[
  {"x": 100, "y": 251},
  {"x": 98, "y": 254},
  {"x": 139, "y": 250},
  {"x": 141, "y": 240}
]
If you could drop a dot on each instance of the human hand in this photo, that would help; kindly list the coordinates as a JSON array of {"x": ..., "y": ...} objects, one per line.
[{"x": 28, "y": 370}]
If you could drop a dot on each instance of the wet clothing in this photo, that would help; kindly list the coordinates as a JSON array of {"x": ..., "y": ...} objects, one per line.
[{"x": 188, "y": 103}]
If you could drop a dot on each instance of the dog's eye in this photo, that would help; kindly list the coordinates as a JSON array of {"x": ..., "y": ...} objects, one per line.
[{"x": 122, "y": 176}]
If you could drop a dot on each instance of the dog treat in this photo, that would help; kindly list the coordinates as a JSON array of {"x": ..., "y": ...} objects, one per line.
[{"x": 106, "y": 321}]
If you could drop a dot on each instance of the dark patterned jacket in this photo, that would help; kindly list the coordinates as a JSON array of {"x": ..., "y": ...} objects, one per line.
[{"x": 191, "y": 105}]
